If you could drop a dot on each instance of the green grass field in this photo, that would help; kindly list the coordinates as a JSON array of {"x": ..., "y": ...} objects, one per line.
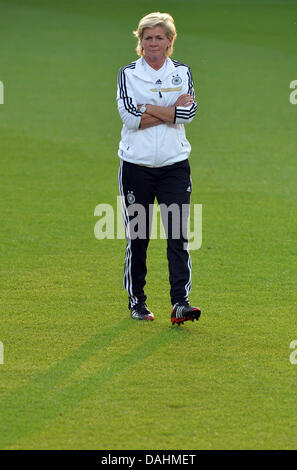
[{"x": 78, "y": 373}]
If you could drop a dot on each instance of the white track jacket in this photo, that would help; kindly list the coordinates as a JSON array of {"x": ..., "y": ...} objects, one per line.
[{"x": 160, "y": 145}]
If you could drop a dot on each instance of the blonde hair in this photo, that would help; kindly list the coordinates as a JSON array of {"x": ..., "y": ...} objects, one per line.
[{"x": 150, "y": 21}]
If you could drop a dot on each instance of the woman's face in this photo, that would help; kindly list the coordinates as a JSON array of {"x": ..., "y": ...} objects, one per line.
[{"x": 155, "y": 42}]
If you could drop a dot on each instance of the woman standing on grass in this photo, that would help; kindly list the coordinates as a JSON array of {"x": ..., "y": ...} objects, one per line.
[{"x": 155, "y": 99}]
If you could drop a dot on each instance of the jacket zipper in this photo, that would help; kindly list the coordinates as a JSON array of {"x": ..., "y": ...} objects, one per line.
[{"x": 159, "y": 86}]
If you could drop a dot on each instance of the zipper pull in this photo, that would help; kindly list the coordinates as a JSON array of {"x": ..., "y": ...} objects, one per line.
[{"x": 159, "y": 85}]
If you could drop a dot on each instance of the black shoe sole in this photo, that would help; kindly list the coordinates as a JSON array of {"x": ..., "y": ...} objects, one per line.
[{"x": 193, "y": 315}]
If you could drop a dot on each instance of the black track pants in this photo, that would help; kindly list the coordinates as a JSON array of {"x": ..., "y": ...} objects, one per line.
[{"x": 171, "y": 185}]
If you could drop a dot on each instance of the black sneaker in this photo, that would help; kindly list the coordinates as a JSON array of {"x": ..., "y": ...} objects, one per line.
[
  {"x": 182, "y": 312},
  {"x": 141, "y": 312}
]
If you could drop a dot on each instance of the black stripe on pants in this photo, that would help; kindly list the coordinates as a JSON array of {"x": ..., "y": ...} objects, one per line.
[{"x": 170, "y": 185}]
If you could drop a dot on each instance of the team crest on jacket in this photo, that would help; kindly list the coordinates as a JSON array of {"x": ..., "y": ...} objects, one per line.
[
  {"x": 176, "y": 80},
  {"x": 130, "y": 197}
]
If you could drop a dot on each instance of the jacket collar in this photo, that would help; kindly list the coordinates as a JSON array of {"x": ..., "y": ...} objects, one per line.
[{"x": 140, "y": 72}]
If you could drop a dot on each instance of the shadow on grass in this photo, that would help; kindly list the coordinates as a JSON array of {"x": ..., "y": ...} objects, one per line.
[{"x": 30, "y": 407}]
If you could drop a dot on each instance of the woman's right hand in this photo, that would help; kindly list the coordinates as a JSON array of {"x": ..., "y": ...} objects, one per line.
[{"x": 184, "y": 100}]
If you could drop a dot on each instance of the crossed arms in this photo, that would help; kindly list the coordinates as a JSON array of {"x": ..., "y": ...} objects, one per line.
[{"x": 156, "y": 115}]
